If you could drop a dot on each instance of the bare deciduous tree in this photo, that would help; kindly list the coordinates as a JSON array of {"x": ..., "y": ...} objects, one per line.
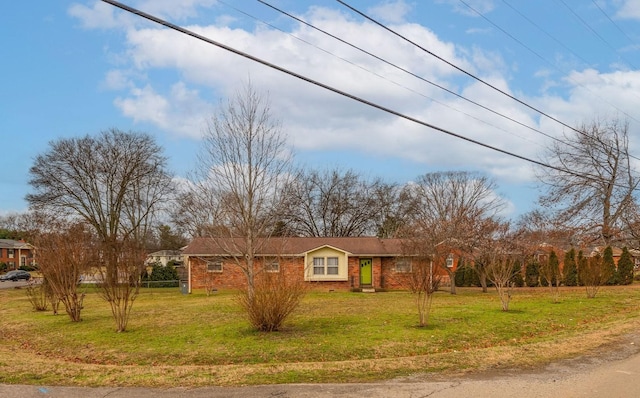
[
  {"x": 451, "y": 208},
  {"x": 423, "y": 279},
  {"x": 336, "y": 203},
  {"x": 242, "y": 173},
  {"x": 593, "y": 184},
  {"x": 114, "y": 182}
]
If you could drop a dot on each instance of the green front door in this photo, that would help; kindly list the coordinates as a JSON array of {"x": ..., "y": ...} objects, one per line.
[{"x": 366, "y": 269}]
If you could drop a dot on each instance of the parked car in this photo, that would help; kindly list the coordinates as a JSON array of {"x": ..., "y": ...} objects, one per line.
[{"x": 15, "y": 275}]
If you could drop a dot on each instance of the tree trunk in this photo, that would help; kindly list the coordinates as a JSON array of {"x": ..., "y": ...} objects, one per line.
[{"x": 452, "y": 279}]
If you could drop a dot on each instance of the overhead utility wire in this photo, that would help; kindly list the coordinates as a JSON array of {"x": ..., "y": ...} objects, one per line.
[
  {"x": 613, "y": 22},
  {"x": 545, "y": 60},
  {"x": 598, "y": 35},
  {"x": 335, "y": 90},
  {"x": 549, "y": 35},
  {"x": 412, "y": 74},
  {"x": 458, "y": 68},
  {"x": 384, "y": 77}
]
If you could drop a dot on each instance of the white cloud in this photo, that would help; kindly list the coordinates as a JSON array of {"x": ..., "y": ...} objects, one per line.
[
  {"x": 98, "y": 16},
  {"x": 318, "y": 120},
  {"x": 481, "y": 6},
  {"x": 173, "y": 9},
  {"x": 390, "y": 11},
  {"x": 181, "y": 110},
  {"x": 315, "y": 118},
  {"x": 117, "y": 80},
  {"x": 630, "y": 9}
]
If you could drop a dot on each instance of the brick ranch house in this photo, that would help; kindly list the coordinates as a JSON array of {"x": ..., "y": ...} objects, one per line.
[{"x": 352, "y": 263}]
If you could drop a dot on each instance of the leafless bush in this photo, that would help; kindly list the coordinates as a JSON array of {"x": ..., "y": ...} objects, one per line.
[
  {"x": 64, "y": 254},
  {"x": 273, "y": 299},
  {"x": 501, "y": 271},
  {"x": 592, "y": 274},
  {"x": 37, "y": 295}
]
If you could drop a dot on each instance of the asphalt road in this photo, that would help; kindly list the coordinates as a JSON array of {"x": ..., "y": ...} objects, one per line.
[
  {"x": 612, "y": 372},
  {"x": 12, "y": 285}
]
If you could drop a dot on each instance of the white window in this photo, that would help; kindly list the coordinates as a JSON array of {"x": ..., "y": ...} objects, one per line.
[
  {"x": 450, "y": 261},
  {"x": 318, "y": 265},
  {"x": 214, "y": 266},
  {"x": 403, "y": 265},
  {"x": 10, "y": 253},
  {"x": 331, "y": 268},
  {"x": 332, "y": 265},
  {"x": 272, "y": 266}
]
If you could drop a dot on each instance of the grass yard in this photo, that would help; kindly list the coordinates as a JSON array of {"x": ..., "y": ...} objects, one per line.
[{"x": 196, "y": 340}]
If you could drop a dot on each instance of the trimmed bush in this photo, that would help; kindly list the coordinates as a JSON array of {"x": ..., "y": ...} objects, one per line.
[
  {"x": 570, "y": 268},
  {"x": 160, "y": 273},
  {"x": 624, "y": 275},
  {"x": 532, "y": 274},
  {"x": 609, "y": 266}
]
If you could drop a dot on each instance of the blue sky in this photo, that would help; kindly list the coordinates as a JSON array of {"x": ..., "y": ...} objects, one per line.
[{"x": 72, "y": 68}]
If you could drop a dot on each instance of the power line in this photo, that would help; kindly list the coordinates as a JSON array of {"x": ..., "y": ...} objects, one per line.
[
  {"x": 613, "y": 22},
  {"x": 549, "y": 35},
  {"x": 544, "y": 59},
  {"x": 340, "y": 92},
  {"x": 412, "y": 74},
  {"x": 465, "y": 71},
  {"x": 456, "y": 67},
  {"x": 326, "y": 87},
  {"x": 387, "y": 79},
  {"x": 592, "y": 30}
]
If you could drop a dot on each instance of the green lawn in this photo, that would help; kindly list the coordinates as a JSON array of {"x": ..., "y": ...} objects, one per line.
[{"x": 194, "y": 340}]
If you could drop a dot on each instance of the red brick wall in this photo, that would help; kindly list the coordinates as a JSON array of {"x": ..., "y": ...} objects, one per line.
[
  {"x": 232, "y": 276},
  {"x": 13, "y": 263},
  {"x": 394, "y": 280}
]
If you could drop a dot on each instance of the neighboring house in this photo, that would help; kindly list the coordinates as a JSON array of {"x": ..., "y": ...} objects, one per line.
[
  {"x": 16, "y": 253},
  {"x": 617, "y": 252},
  {"x": 542, "y": 252},
  {"x": 163, "y": 257},
  {"x": 329, "y": 263}
]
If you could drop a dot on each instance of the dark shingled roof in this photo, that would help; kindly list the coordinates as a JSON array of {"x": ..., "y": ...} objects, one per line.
[
  {"x": 14, "y": 244},
  {"x": 295, "y": 246}
]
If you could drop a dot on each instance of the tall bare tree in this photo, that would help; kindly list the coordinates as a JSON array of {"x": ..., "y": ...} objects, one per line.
[
  {"x": 337, "y": 203},
  {"x": 242, "y": 173},
  {"x": 114, "y": 182},
  {"x": 450, "y": 209},
  {"x": 594, "y": 181}
]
